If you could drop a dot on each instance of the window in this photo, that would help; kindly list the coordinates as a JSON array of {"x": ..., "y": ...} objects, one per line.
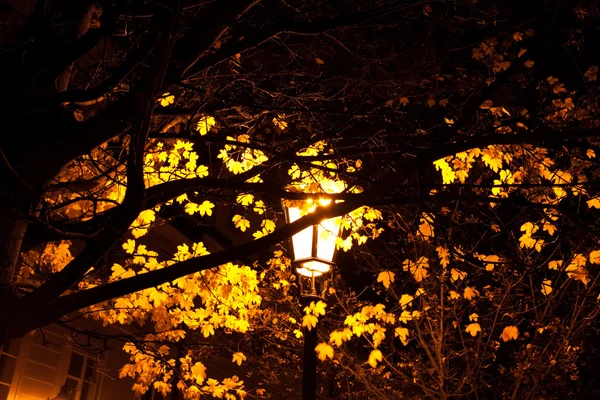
[
  {"x": 8, "y": 361},
  {"x": 81, "y": 377}
]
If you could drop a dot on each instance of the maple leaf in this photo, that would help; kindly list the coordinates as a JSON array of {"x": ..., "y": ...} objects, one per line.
[
  {"x": 595, "y": 257},
  {"x": 509, "y": 333},
  {"x": 592, "y": 73},
  {"x": 338, "y": 337},
  {"x": 166, "y": 99},
  {"x": 280, "y": 123},
  {"x": 385, "y": 278},
  {"x": 199, "y": 372},
  {"x": 374, "y": 357},
  {"x": 555, "y": 264},
  {"x": 238, "y": 358},
  {"x": 454, "y": 295},
  {"x": 206, "y": 208},
  {"x": 268, "y": 225},
  {"x": 309, "y": 321},
  {"x": 594, "y": 203},
  {"x": 473, "y": 329},
  {"x": 456, "y": 274},
  {"x": 241, "y": 223},
  {"x": 129, "y": 247},
  {"x": 204, "y": 124},
  {"x": 405, "y": 300},
  {"x": 207, "y": 330},
  {"x": 470, "y": 293},
  {"x": 324, "y": 351},
  {"x": 417, "y": 269},
  {"x": 443, "y": 254},
  {"x": 202, "y": 171},
  {"x": 403, "y": 101},
  {"x": 245, "y": 199},
  {"x": 402, "y": 333},
  {"x": 259, "y": 207},
  {"x": 546, "y": 287},
  {"x": 319, "y": 308}
]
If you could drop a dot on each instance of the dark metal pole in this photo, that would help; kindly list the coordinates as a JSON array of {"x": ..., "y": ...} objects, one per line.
[{"x": 309, "y": 365}]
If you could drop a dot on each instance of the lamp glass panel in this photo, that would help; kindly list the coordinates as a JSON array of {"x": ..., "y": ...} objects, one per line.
[
  {"x": 302, "y": 241},
  {"x": 328, "y": 231}
]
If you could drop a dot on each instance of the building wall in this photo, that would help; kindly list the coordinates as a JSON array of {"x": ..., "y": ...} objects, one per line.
[{"x": 45, "y": 365}]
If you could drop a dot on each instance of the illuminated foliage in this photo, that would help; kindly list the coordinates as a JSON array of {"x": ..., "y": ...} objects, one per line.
[{"x": 461, "y": 170}]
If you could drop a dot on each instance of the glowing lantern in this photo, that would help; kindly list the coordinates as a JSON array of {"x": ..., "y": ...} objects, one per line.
[{"x": 313, "y": 250}]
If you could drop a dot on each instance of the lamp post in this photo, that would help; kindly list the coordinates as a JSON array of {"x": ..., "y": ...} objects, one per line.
[{"x": 313, "y": 249}]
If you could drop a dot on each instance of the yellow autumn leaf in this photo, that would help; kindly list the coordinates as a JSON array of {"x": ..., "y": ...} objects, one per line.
[
  {"x": 594, "y": 203},
  {"x": 206, "y": 208},
  {"x": 595, "y": 257},
  {"x": 324, "y": 351},
  {"x": 309, "y": 321},
  {"x": 238, "y": 358},
  {"x": 456, "y": 275},
  {"x": 338, "y": 337},
  {"x": 280, "y": 123},
  {"x": 417, "y": 269},
  {"x": 385, "y": 278},
  {"x": 268, "y": 225},
  {"x": 204, "y": 124},
  {"x": 199, "y": 372},
  {"x": 207, "y": 330},
  {"x": 405, "y": 300},
  {"x": 555, "y": 264},
  {"x": 245, "y": 199},
  {"x": 129, "y": 247},
  {"x": 443, "y": 254},
  {"x": 374, "y": 357},
  {"x": 510, "y": 333},
  {"x": 167, "y": 99},
  {"x": 241, "y": 223},
  {"x": 454, "y": 295},
  {"x": 546, "y": 287},
  {"x": 402, "y": 333},
  {"x": 259, "y": 207},
  {"x": 473, "y": 329},
  {"x": 470, "y": 293},
  {"x": 319, "y": 308}
]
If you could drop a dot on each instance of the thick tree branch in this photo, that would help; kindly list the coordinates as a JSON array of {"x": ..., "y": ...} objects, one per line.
[{"x": 133, "y": 202}]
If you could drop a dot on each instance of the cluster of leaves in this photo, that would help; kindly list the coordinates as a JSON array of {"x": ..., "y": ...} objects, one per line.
[{"x": 470, "y": 249}]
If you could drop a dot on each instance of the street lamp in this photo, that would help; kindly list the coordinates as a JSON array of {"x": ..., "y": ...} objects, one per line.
[{"x": 313, "y": 250}]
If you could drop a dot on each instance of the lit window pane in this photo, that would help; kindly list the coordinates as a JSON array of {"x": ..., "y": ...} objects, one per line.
[
  {"x": 302, "y": 240},
  {"x": 328, "y": 232}
]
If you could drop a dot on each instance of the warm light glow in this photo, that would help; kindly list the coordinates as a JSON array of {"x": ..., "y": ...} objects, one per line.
[
  {"x": 328, "y": 231},
  {"x": 302, "y": 241},
  {"x": 314, "y": 268}
]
